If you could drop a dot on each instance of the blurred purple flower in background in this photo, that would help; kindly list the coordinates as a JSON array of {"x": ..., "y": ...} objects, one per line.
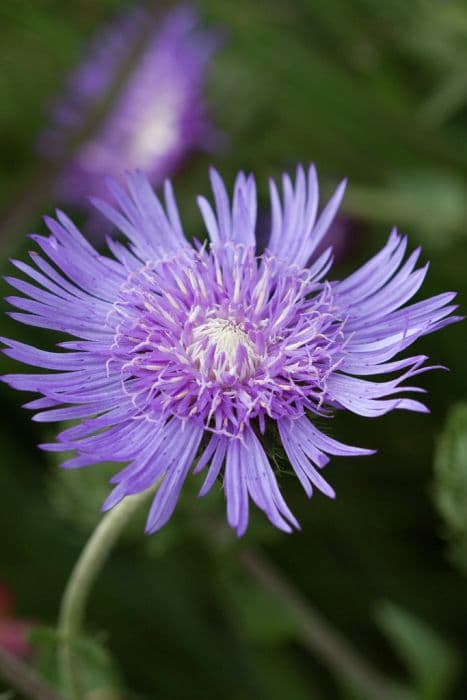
[
  {"x": 186, "y": 351},
  {"x": 152, "y": 74}
]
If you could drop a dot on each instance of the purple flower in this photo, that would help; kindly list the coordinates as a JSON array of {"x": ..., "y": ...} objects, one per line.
[
  {"x": 159, "y": 114},
  {"x": 184, "y": 354}
]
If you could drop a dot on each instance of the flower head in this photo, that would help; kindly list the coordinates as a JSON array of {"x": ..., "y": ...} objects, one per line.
[
  {"x": 158, "y": 115},
  {"x": 185, "y": 352}
]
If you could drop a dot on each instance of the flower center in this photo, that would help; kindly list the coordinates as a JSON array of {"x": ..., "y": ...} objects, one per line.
[
  {"x": 222, "y": 347},
  {"x": 157, "y": 131}
]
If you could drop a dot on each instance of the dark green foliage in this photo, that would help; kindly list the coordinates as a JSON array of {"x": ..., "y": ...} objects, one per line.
[
  {"x": 451, "y": 483},
  {"x": 98, "y": 671},
  {"x": 433, "y": 664}
]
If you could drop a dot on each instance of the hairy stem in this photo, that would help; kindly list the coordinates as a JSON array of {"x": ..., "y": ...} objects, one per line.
[{"x": 82, "y": 578}]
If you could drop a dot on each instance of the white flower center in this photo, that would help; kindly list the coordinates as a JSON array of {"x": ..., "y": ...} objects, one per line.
[
  {"x": 156, "y": 132},
  {"x": 220, "y": 346}
]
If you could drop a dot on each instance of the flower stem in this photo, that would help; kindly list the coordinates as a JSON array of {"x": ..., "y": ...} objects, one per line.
[
  {"x": 317, "y": 634},
  {"x": 82, "y": 578},
  {"x": 24, "y": 679}
]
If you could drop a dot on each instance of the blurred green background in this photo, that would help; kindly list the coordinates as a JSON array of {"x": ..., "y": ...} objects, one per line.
[{"x": 370, "y": 90}]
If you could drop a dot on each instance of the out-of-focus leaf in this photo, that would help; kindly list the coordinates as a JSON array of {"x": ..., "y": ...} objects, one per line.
[
  {"x": 450, "y": 488},
  {"x": 8, "y": 695},
  {"x": 431, "y": 204},
  {"x": 264, "y": 629},
  {"x": 436, "y": 34},
  {"x": 104, "y": 694},
  {"x": 281, "y": 676},
  {"x": 257, "y": 613},
  {"x": 99, "y": 675},
  {"x": 78, "y": 494},
  {"x": 433, "y": 664},
  {"x": 396, "y": 691}
]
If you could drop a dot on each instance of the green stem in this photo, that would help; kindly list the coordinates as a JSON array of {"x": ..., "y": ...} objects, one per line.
[{"x": 82, "y": 578}]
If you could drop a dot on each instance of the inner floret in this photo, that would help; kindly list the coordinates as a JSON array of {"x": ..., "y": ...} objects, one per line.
[
  {"x": 221, "y": 346},
  {"x": 225, "y": 337}
]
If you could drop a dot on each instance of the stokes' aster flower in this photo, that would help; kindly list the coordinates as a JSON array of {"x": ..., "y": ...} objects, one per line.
[
  {"x": 188, "y": 351},
  {"x": 158, "y": 116}
]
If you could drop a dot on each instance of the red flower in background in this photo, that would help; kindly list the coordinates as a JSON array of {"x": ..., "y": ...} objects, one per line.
[{"x": 13, "y": 631}]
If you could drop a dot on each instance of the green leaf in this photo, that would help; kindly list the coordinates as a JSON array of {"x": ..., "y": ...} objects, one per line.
[
  {"x": 429, "y": 202},
  {"x": 98, "y": 672},
  {"x": 394, "y": 690},
  {"x": 450, "y": 486},
  {"x": 433, "y": 664}
]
